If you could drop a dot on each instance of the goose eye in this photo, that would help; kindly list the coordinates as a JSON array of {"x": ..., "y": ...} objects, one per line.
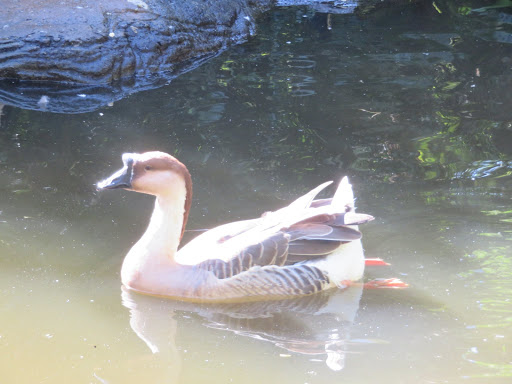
[{"x": 148, "y": 168}]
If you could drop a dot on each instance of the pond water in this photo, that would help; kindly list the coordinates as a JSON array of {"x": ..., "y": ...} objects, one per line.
[{"x": 413, "y": 105}]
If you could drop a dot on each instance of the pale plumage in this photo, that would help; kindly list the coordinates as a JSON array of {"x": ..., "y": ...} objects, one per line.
[{"x": 306, "y": 247}]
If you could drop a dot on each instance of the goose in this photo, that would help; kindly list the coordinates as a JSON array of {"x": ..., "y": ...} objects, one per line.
[{"x": 304, "y": 248}]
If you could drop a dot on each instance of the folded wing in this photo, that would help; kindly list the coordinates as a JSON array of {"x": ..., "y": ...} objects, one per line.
[{"x": 305, "y": 230}]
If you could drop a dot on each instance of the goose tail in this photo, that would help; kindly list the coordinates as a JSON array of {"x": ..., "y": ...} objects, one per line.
[{"x": 343, "y": 198}]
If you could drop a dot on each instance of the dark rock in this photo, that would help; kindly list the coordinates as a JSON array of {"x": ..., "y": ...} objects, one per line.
[
  {"x": 104, "y": 50},
  {"x": 99, "y": 42}
]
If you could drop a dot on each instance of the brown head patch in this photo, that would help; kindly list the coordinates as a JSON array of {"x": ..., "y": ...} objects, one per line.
[{"x": 160, "y": 161}]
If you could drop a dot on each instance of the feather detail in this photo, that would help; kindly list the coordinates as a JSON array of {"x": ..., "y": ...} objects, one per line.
[
  {"x": 304, "y": 202},
  {"x": 306, "y": 230},
  {"x": 274, "y": 282},
  {"x": 344, "y": 196},
  {"x": 312, "y": 248},
  {"x": 311, "y": 230},
  {"x": 350, "y": 218},
  {"x": 271, "y": 251},
  {"x": 338, "y": 234}
]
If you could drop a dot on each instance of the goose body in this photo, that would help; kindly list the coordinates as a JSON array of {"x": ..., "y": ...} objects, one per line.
[{"x": 306, "y": 247}]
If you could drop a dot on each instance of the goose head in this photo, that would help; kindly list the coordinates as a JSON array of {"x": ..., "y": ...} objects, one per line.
[{"x": 153, "y": 173}]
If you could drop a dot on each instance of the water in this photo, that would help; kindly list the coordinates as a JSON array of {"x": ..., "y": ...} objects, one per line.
[{"x": 414, "y": 106}]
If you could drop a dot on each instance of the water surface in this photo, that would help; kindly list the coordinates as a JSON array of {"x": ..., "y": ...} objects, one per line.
[{"x": 412, "y": 105}]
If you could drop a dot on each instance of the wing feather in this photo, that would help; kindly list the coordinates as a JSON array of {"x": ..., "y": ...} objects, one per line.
[
  {"x": 312, "y": 247},
  {"x": 271, "y": 251},
  {"x": 342, "y": 233},
  {"x": 305, "y": 230}
]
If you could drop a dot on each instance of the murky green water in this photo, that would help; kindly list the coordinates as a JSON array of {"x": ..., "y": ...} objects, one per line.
[{"x": 413, "y": 106}]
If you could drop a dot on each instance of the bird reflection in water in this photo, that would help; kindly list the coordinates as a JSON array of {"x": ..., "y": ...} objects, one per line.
[{"x": 316, "y": 325}]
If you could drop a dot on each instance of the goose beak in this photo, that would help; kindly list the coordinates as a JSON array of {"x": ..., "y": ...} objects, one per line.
[{"x": 120, "y": 179}]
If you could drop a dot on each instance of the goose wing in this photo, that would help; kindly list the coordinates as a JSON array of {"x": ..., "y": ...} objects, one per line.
[
  {"x": 312, "y": 238},
  {"x": 304, "y": 230}
]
